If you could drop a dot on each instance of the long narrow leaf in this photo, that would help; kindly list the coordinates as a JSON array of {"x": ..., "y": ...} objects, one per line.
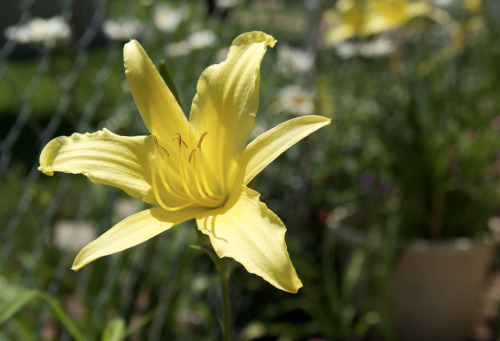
[
  {"x": 17, "y": 303},
  {"x": 13, "y": 299}
]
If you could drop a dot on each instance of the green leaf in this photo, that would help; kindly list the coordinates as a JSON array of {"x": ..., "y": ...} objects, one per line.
[
  {"x": 18, "y": 301},
  {"x": 115, "y": 330},
  {"x": 14, "y": 298}
]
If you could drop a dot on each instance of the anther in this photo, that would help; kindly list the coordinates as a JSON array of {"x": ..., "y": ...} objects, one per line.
[
  {"x": 157, "y": 145},
  {"x": 191, "y": 155},
  {"x": 154, "y": 139},
  {"x": 180, "y": 140},
  {"x": 201, "y": 138}
]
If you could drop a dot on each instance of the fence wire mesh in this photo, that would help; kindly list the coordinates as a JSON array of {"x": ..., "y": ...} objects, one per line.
[
  {"x": 402, "y": 99},
  {"x": 61, "y": 71}
]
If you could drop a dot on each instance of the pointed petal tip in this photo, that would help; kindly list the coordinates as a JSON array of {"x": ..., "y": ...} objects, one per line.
[
  {"x": 133, "y": 56},
  {"x": 132, "y": 43},
  {"x": 319, "y": 121},
  {"x": 253, "y": 236},
  {"x": 313, "y": 119},
  {"x": 295, "y": 288},
  {"x": 78, "y": 264},
  {"x": 271, "y": 41},
  {"x": 158, "y": 107},
  {"x": 45, "y": 171},
  {"x": 292, "y": 286},
  {"x": 324, "y": 119},
  {"x": 269, "y": 145},
  {"x": 255, "y": 36}
]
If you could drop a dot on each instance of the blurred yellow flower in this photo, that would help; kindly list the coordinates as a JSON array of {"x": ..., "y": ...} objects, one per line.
[
  {"x": 197, "y": 169},
  {"x": 366, "y": 17},
  {"x": 472, "y": 6}
]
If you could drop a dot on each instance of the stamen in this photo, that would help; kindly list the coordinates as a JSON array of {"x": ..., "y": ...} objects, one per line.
[
  {"x": 157, "y": 145},
  {"x": 154, "y": 139},
  {"x": 197, "y": 180},
  {"x": 184, "y": 178},
  {"x": 204, "y": 182},
  {"x": 204, "y": 187},
  {"x": 169, "y": 188},
  {"x": 201, "y": 138},
  {"x": 180, "y": 140},
  {"x": 157, "y": 194},
  {"x": 222, "y": 166},
  {"x": 199, "y": 194}
]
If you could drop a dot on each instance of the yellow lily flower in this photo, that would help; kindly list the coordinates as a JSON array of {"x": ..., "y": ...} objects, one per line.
[
  {"x": 197, "y": 169},
  {"x": 366, "y": 17}
]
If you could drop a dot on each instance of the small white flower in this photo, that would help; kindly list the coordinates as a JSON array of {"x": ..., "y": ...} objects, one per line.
[
  {"x": 201, "y": 39},
  {"x": 195, "y": 41},
  {"x": 221, "y": 55},
  {"x": 40, "y": 31},
  {"x": 225, "y": 4},
  {"x": 379, "y": 47},
  {"x": 178, "y": 49},
  {"x": 376, "y": 48},
  {"x": 167, "y": 19},
  {"x": 294, "y": 60},
  {"x": 125, "y": 207},
  {"x": 258, "y": 129},
  {"x": 122, "y": 29},
  {"x": 346, "y": 49},
  {"x": 443, "y": 3},
  {"x": 296, "y": 100},
  {"x": 72, "y": 235}
]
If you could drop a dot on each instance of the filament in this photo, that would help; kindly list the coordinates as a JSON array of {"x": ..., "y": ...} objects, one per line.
[
  {"x": 202, "y": 190},
  {"x": 167, "y": 185},
  {"x": 157, "y": 194},
  {"x": 185, "y": 177},
  {"x": 204, "y": 181},
  {"x": 193, "y": 186}
]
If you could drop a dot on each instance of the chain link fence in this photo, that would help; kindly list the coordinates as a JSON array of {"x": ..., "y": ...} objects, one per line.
[{"x": 61, "y": 71}]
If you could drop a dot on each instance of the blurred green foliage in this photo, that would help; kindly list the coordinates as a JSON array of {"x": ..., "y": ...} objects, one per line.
[{"x": 413, "y": 151}]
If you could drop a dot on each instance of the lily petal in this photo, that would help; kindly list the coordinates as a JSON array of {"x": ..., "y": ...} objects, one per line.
[
  {"x": 104, "y": 158},
  {"x": 254, "y": 236},
  {"x": 385, "y": 15},
  {"x": 157, "y": 105},
  {"x": 227, "y": 100},
  {"x": 269, "y": 145},
  {"x": 132, "y": 231}
]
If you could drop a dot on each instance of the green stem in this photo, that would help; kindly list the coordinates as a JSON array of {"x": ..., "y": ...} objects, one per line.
[
  {"x": 226, "y": 298},
  {"x": 221, "y": 266}
]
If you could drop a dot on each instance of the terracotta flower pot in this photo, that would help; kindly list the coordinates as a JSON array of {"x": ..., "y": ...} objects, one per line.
[{"x": 436, "y": 288}]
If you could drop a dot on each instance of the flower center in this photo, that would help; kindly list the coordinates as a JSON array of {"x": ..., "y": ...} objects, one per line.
[{"x": 193, "y": 189}]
